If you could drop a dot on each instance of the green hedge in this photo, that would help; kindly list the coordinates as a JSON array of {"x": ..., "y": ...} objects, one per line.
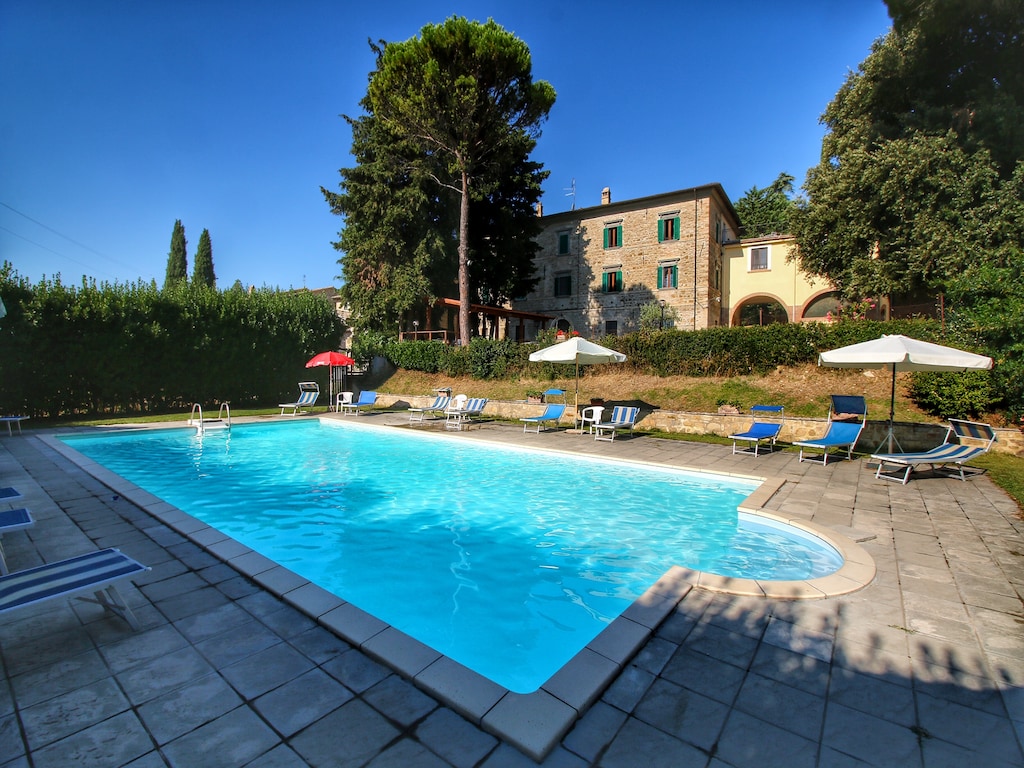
[
  {"x": 710, "y": 352},
  {"x": 133, "y": 348},
  {"x": 718, "y": 352}
]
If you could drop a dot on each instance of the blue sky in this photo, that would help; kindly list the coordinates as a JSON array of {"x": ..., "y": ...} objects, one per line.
[{"x": 120, "y": 117}]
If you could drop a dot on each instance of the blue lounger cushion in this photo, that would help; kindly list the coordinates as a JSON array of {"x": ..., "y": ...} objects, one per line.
[
  {"x": 96, "y": 572},
  {"x": 841, "y": 432},
  {"x": 761, "y": 430},
  {"x": 552, "y": 413}
]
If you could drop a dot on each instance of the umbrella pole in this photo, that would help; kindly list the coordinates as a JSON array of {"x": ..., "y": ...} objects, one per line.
[
  {"x": 577, "y": 414},
  {"x": 890, "y": 438}
]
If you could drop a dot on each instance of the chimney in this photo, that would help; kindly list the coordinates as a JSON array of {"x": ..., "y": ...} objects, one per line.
[
  {"x": 540, "y": 210},
  {"x": 606, "y": 196}
]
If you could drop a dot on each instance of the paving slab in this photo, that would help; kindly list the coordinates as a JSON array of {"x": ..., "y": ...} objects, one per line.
[{"x": 240, "y": 663}]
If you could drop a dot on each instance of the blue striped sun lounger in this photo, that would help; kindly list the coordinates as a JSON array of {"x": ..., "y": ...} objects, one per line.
[
  {"x": 309, "y": 391},
  {"x": 96, "y": 572},
  {"x": 949, "y": 453},
  {"x": 456, "y": 418},
  {"x": 623, "y": 419},
  {"x": 438, "y": 407}
]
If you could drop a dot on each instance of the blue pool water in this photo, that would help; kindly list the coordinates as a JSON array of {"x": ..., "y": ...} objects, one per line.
[{"x": 507, "y": 560}]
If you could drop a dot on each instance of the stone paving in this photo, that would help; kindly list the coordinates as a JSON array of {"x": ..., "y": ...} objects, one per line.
[{"x": 924, "y": 667}]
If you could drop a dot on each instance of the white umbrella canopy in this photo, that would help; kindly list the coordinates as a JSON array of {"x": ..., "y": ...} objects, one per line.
[
  {"x": 902, "y": 353},
  {"x": 579, "y": 351}
]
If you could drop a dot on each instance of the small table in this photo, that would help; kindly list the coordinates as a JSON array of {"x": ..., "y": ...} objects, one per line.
[
  {"x": 9, "y": 420},
  {"x": 12, "y": 520}
]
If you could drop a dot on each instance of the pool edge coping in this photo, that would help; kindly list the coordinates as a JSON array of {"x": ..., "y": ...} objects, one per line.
[{"x": 535, "y": 722}]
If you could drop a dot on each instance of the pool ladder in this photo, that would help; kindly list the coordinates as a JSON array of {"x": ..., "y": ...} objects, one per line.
[{"x": 223, "y": 420}]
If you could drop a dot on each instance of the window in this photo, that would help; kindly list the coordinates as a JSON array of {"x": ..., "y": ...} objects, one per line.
[
  {"x": 611, "y": 281},
  {"x": 613, "y": 236},
  {"x": 667, "y": 275},
  {"x": 563, "y": 242},
  {"x": 611, "y": 327},
  {"x": 668, "y": 228},
  {"x": 563, "y": 284},
  {"x": 721, "y": 230},
  {"x": 759, "y": 258}
]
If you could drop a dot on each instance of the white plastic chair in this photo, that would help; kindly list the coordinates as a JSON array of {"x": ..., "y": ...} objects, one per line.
[{"x": 590, "y": 416}]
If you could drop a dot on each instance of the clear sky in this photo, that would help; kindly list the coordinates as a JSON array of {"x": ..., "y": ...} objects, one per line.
[{"x": 118, "y": 117}]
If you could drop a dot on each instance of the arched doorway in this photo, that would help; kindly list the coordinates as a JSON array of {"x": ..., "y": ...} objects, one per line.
[
  {"x": 820, "y": 307},
  {"x": 761, "y": 310}
]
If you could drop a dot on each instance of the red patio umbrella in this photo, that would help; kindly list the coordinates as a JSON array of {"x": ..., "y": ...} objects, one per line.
[{"x": 333, "y": 359}]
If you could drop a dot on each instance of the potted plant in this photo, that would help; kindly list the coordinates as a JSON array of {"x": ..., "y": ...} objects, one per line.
[{"x": 534, "y": 396}]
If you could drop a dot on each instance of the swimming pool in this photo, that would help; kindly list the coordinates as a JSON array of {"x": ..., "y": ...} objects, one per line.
[{"x": 508, "y": 561}]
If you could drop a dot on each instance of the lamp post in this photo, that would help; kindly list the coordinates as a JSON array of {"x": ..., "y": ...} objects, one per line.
[
  {"x": 416, "y": 330},
  {"x": 661, "y": 326}
]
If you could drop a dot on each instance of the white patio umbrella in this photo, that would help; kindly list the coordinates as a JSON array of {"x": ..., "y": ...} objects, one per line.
[
  {"x": 579, "y": 351},
  {"x": 901, "y": 353}
]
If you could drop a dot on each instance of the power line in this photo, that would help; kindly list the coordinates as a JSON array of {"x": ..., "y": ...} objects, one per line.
[
  {"x": 51, "y": 229},
  {"x": 83, "y": 246},
  {"x": 46, "y": 248}
]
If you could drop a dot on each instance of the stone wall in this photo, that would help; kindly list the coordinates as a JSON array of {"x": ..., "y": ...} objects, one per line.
[{"x": 911, "y": 436}]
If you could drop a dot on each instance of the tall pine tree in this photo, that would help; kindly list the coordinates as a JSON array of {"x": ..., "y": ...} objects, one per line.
[
  {"x": 463, "y": 98},
  {"x": 202, "y": 269},
  {"x": 177, "y": 263}
]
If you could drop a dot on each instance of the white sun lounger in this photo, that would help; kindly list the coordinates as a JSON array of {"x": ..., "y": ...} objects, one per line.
[{"x": 96, "y": 572}]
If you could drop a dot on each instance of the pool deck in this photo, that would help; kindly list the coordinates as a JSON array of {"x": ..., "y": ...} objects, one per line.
[{"x": 924, "y": 666}]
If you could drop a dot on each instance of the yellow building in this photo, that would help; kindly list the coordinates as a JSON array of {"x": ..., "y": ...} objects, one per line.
[{"x": 762, "y": 284}]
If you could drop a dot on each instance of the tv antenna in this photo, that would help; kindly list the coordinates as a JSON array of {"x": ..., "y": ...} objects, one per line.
[{"x": 571, "y": 192}]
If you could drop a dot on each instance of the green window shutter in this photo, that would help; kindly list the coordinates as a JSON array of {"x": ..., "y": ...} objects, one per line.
[
  {"x": 619, "y": 233},
  {"x": 675, "y": 274},
  {"x": 659, "y": 278},
  {"x": 661, "y": 230},
  {"x": 618, "y": 279},
  {"x": 606, "y": 237},
  {"x": 604, "y": 282},
  {"x": 675, "y": 228}
]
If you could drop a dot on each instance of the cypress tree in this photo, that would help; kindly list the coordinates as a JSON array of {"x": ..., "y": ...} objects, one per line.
[
  {"x": 202, "y": 269},
  {"x": 177, "y": 263}
]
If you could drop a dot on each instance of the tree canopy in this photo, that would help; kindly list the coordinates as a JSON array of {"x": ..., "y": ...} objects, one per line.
[
  {"x": 919, "y": 187},
  {"x": 921, "y": 142},
  {"x": 766, "y": 211},
  {"x": 451, "y": 119}
]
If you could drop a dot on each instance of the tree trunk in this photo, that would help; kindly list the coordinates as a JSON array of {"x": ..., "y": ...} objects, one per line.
[{"x": 464, "y": 261}]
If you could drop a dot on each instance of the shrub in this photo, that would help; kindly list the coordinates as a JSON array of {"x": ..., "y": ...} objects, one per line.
[{"x": 954, "y": 395}]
